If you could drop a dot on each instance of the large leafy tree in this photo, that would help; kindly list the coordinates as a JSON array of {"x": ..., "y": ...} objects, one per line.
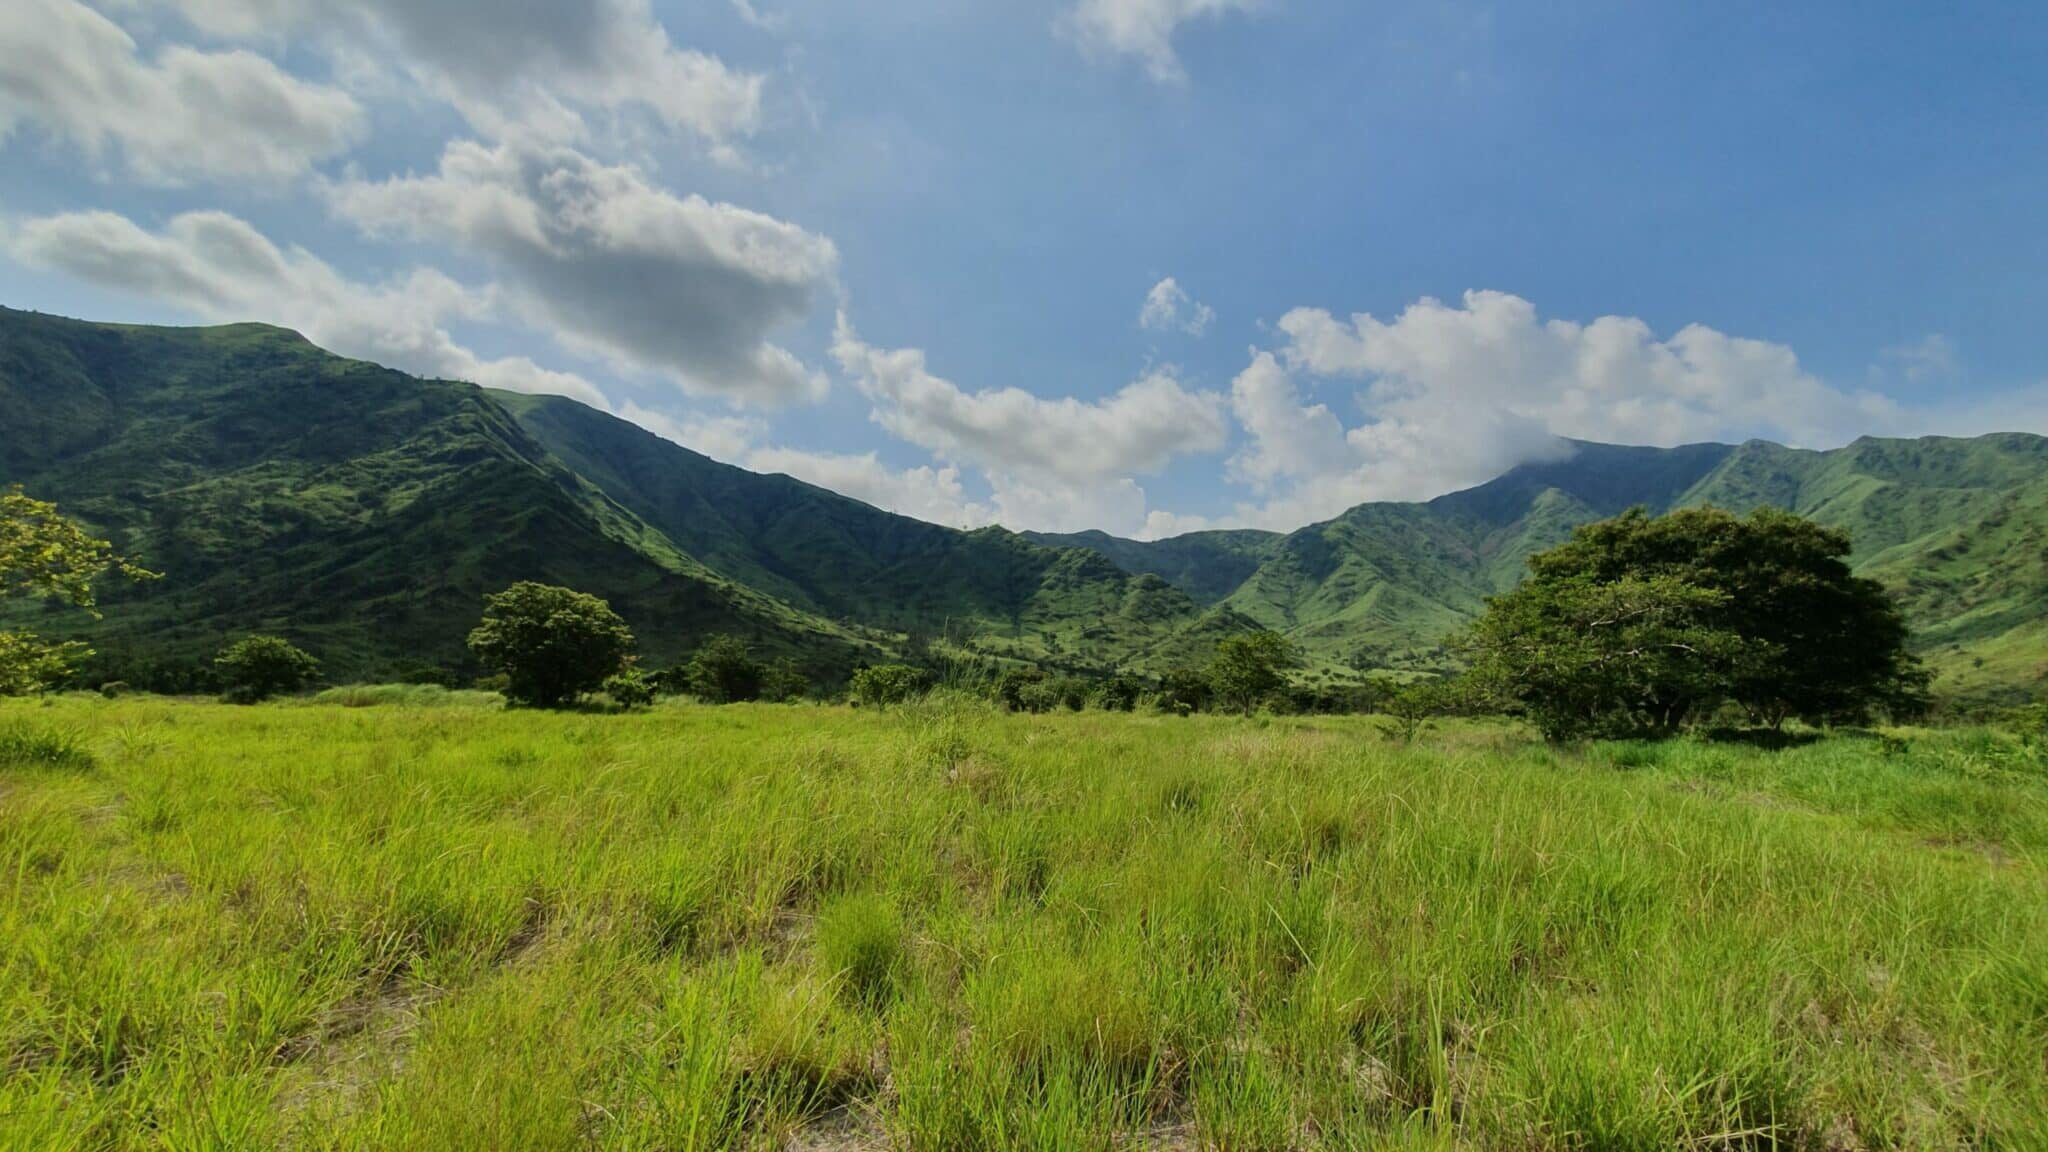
[
  {"x": 1249, "y": 667},
  {"x": 1642, "y": 622},
  {"x": 46, "y": 555},
  {"x": 258, "y": 667},
  {"x": 724, "y": 672},
  {"x": 552, "y": 644}
]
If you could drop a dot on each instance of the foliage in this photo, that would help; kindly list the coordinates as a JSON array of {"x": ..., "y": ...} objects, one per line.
[
  {"x": 44, "y": 555},
  {"x": 1014, "y": 685},
  {"x": 1639, "y": 624},
  {"x": 29, "y": 665},
  {"x": 784, "y": 681},
  {"x": 629, "y": 688},
  {"x": 552, "y": 644},
  {"x": 1184, "y": 689},
  {"x": 1119, "y": 693},
  {"x": 724, "y": 672},
  {"x": 260, "y": 667},
  {"x": 1250, "y": 667},
  {"x": 1411, "y": 707},
  {"x": 887, "y": 684}
]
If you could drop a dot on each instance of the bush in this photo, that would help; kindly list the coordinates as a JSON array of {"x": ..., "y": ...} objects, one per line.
[
  {"x": 552, "y": 644},
  {"x": 257, "y": 668},
  {"x": 1184, "y": 691},
  {"x": 114, "y": 689},
  {"x": 630, "y": 689},
  {"x": 1014, "y": 684},
  {"x": 1119, "y": 693},
  {"x": 724, "y": 672},
  {"x": 887, "y": 684}
]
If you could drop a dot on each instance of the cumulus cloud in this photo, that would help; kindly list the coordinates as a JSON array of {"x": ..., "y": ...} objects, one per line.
[
  {"x": 617, "y": 266},
  {"x": 218, "y": 267},
  {"x": 1052, "y": 464},
  {"x": 1138, "y": 429},
  {"x": 930, "y": 493},
  {"x": 184, "y": 115},
  {"x": 516, "y": 69},
  {"x": 1143, "y": 29},
  {"x": 1454, "y": 394},
  {"x": 1168, "y": 307}
]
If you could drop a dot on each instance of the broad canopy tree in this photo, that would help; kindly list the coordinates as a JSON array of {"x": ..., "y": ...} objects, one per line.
[
  {"x": 1639, "y": 624},
  {"x": 552, "y": 644}
]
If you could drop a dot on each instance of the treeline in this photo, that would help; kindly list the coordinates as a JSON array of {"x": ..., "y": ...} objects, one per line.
[{"x": 1638, "y": 626}]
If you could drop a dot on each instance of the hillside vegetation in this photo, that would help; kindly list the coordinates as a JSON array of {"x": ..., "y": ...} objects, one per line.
[
  {"x": 363, "y": 514},
  {"x": 309, "y": 926}
]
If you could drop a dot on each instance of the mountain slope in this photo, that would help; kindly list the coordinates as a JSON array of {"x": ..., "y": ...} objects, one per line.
[
  {"x": 356, "y": 509},
  {"x": 990, "y": 589},
  {"x": 366, "y": 513},
  {"x": 1957, "y": 528}
]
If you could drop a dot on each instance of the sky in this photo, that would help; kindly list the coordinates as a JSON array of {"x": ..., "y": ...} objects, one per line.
[{"x": 1148, "y": 266}]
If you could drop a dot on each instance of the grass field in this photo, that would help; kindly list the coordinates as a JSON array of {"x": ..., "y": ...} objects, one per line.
[{"x": 452, "y": 927}]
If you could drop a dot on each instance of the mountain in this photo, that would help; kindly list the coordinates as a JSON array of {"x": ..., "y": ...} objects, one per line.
[
  {"x": 1957, "y": 528},
  {"x": 365, "y": 513}
]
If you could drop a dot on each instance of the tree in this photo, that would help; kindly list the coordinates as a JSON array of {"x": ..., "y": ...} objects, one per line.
[
  {"x": 256, "y": 668},
  {"x": 1184, "y": 690},
  {"x": 552, "y": 644},
  {"x": 1119, "y": 693},
  {"x": 46, "y": 556},
  {"x": 724, "y": 672},
  {"x": 1249, "y": 667},
  {"x": 1412, "y": 706},
  {"x": 887, "y": 684},
  {"x": 1640, "y": 624},
  {"x": 785, "y": 681}
]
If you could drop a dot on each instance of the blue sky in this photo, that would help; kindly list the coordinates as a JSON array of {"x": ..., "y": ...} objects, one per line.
[{"x": 1143, "y": 265}]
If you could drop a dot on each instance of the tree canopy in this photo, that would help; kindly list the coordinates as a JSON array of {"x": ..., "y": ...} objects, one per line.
[
  {"x": 1249, "y": 667},
  {"x": 1640, "y": 624},
  {"x": 259, "y": 667},
  {"x": 552, "y": 644}
]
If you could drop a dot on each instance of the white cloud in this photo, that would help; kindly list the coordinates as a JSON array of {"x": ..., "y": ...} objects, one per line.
[
  {"x": 1143, "y": 28},
  {"x": 1009, "y": 431},
  {"x": 930, "y": 493},
  {"x": 217, "y": 267},
  {"x": 617, "y": 266},
  {"x": 1929, "y": 360},
  {"x": 1168, "y": 307},
  {"x": 76, "y": 75},
  {"x": 526, "y": 69},
  {"x": 1454, "y": 395}
]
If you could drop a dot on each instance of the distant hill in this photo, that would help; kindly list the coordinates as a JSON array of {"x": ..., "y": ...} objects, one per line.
[
  {"x": 365, "y": 514},
  {"x": 1958, "y": 528}
]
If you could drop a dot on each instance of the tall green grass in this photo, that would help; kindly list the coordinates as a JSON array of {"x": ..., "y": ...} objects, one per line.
[{"x": 944, "y": 927}]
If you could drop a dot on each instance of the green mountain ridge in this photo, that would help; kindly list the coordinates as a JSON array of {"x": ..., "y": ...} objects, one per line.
[
  {"x": 1957, "y": 528},
  {"x": 365, "y": 513}
]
